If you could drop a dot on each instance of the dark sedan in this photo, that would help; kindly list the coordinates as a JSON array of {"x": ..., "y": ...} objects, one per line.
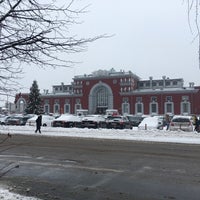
[{"x": 120, "y": 122}]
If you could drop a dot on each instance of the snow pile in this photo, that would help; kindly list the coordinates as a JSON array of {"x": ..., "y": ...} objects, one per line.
[
  {"x": 5, "y": 194},
  {"x": 125, "y": 134}
]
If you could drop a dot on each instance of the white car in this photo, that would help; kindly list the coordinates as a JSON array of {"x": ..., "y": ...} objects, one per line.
[
  {"x": 46, "y": 120},
  {"x": 67, "y": 120},
  {"x": 181, "y": 122},
  {"x": 4, "y": 120},
  {"x": 149, "y": 123}
]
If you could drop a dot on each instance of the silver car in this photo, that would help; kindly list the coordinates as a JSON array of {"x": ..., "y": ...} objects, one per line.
[{"x": 181, "y": 122}]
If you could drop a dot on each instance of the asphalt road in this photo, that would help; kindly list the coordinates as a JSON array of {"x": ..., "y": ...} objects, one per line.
[{"x": 62, "y": 168}]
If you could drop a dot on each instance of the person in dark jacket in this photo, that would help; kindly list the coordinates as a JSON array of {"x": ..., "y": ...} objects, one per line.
[
  {"x": 38, "y": 124},
  {"x": 196, "y": 123},
  {"x": 167, "y": 121}
]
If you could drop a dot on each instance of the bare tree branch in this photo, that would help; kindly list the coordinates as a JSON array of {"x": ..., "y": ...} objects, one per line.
[
  {"x": 33, "y": 32},
  {"x": 193, "y": 14}
]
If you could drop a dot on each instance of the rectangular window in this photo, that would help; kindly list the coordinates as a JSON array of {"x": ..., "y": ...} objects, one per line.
[
  {"x": 78, "y": 101},
  {"x": 138, "y": 99},
  {"x": 153, "y": 99},
  {"x": 56, "y": 108},
  {"x": 46, "y": 109},
  {"x": 139, "y": 108},
  {"x": 46, "y": 101},
  {"x": 160, "y": 83},
  {"x": 77, "y": 107},
  {"x": 185, "y": 98},
  {"x": 125, "y": 108},
  {"x": 141, "y": 84},
  {"x": 67, "y": 101},
  {"x": 168, "y": 108},
  {"x": 67, "y": 108},
  {"x": 167, "y": 83},
  {"x": 154, "y": 83},
  {"x": 147, "y": 84},
  {"x": 153, "y": 108},
  {"x": 56, "y": 101},
  {"x": 169, "y": 98},
  {"x": 185, "y": 107},
  {"x": 125, "y": 100}
]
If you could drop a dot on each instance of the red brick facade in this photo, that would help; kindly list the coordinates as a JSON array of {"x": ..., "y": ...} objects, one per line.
[{"x": 124, "y": 91}]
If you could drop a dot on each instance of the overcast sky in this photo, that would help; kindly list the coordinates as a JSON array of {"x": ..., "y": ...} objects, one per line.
[{"x": 151, "y": 38}]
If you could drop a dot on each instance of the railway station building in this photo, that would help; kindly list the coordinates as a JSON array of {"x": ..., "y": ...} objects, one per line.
[{"x": 124, "y": 91}]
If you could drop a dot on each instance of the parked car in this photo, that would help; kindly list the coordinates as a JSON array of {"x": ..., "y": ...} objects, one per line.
[
  {"x": 46, "y": 120},
  {"x": 152, "y": 122},
  {"x": 4, "y": 119},
  {"x": 112, "y": 112},
  {"x": 118, "y": 122},
  {"x": 93, "y": 121},
  {"x": 15, "y": 120},
  {"x": 134, "y": 119},
  {"x": 181, "y": 122},
  {"x": 67, "y": 120}
]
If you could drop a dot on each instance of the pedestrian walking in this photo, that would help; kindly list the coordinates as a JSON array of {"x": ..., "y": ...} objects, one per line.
[
  {"x": 196, "y": 123},
  {"x": 38, "y": 124},
  {"x": 167, "y": 121}
]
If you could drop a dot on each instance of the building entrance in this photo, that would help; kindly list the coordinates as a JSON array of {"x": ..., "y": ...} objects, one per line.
[
  {"x": 100, "y": 98},
  {"x": 101, "y": 110}
]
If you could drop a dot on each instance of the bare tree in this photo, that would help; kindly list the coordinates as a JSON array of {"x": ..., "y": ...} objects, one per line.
[
  {"x": 33, "y": 31},
  {"x": 193, "y": 20}
]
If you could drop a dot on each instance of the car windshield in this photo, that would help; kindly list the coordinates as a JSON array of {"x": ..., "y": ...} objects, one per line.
[{"x": 115, "y": 117}]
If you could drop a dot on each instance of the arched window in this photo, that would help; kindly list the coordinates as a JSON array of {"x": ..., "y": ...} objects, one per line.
[
  {"x": 21, "y": 106},
  {"x": 102, "y": 97}
]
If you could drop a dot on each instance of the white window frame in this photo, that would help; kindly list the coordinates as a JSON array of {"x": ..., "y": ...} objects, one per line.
[
  {"x": 77, "y": 107},
  {"x": 69, "y": 106},
  {"x": 136, "y": 108},
  {"x": 125, "y": 108},
  {"x": 54, "y": 108},
  {"x": 150, "y": 108},
  {"x": 188, "y": 108},
  {"x": 172, "y": 108},
  {"x": 48, "y": 108}
]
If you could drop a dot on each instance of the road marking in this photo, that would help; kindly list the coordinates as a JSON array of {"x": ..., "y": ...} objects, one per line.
[
  {"x": 68, "y": 165},
  {"x": 14, "y": 156},
  {"x": 72, "y": 166}
]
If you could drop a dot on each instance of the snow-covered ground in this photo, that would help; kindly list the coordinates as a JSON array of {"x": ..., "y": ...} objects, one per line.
[
  {"x": 126, "y": 134},
  {"x": 6, "y": 194}
]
